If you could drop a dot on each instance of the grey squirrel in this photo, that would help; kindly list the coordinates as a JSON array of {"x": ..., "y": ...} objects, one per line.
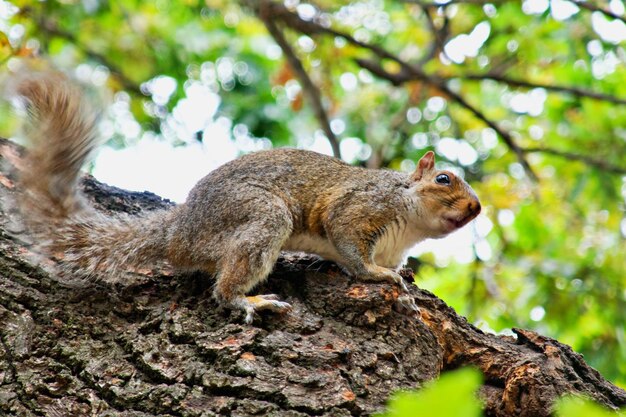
[{"x": 239, "y": 217}]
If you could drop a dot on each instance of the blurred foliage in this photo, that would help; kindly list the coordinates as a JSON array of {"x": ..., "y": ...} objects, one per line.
[
  {"x": 452, "y": 395},
  {"x": 455, "y": 394},
  {"x": 580, "y": 407},
  {"x": 548, "y": 255}
]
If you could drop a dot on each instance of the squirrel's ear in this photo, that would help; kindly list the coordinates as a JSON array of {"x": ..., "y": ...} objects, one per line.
[{"x": 425, "y": 164}]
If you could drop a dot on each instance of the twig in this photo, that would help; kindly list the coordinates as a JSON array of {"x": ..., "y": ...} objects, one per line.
[
  {"x": 504, "y": 134},
  {"x": 308, "y": 87},
  {"x": 128, "y": 84},
  {"x": 600, "y": 164},
  {"x": 406, "y": 73},
  {"x": 576, "y": 91},
  {"x": 594, "y": 8},
  {"x": 439, "y": 83},
  {"x": 278, "y": 11},
  {"x": 451, "y": 2},
  {"x": 439, "y": 35},
  {"x": 580, "y": 3},
  {"x": 375, "y": 68}
]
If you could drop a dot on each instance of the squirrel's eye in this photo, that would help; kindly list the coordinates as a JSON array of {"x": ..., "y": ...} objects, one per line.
[{"x": 443, "y": 179}]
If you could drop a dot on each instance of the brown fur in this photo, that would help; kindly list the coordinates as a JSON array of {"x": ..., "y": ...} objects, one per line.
[{"x": 239, "y": 217}]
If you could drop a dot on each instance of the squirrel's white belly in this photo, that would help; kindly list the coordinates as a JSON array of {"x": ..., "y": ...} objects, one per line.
[
  {"x": 304, "y": 242},
  {"x": 390, "y": 250},
  {"x": 393, "y": 245}
]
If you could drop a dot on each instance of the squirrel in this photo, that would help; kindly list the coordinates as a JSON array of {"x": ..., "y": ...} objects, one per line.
[{"x": 238, "y": 218}]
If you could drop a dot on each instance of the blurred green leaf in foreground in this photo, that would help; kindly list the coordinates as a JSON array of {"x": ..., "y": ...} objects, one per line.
[
  {"x": 455, "y": 394},
  {"x": 452, "y": 395}
]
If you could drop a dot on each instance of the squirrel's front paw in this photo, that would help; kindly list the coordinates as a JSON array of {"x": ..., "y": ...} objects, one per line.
[
  {"x": 378, "y": 273},
  {"x": 257, "y": 303}
]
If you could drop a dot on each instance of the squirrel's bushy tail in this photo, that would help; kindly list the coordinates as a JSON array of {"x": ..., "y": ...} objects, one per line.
[{"x": 61, "y": 132}]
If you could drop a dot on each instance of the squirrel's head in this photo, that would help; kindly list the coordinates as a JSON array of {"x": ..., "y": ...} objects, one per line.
[{"x": 446, "y": 201}]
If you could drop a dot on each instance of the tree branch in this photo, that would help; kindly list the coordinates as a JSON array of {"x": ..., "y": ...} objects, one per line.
[
  {"x": 594, "y": 8},
  {"x": 401, "y": 77},
  {"x": 407, "y": 71},
  {"x": 599, "y": 164},
  {"x": 504, "y": 134},
  {"x": 410, "y": 72},
  {"x": 439, "y": 83},
  {"x": 451, "y": 2},
  {"x": 580, "y": 3},
  {"x": 280, "y": 12},
  {"x": 576, "y": 91},
  {"x": 440, "y": 36},
  {"x": 53, "y": 30},
  {"x": 308, "y": 87}
]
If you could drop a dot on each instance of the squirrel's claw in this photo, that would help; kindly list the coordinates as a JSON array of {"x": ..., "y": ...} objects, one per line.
[
  {"x": 406, "y": 305},
  {"x": 397, "y": 278},
  {"x": 406, "y": 302},
  {"x": 257, "y": 303},
  {"x": 268, "y": 302}
]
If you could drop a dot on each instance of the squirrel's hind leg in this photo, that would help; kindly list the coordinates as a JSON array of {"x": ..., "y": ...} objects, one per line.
[{"x": 250, "y": 256}]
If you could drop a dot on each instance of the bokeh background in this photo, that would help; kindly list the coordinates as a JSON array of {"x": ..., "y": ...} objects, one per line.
[{"x": 525, "y": 99}]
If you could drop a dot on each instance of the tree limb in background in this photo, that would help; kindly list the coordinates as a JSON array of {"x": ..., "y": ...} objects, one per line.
[
  {"x": 439, "y": 83},
  {"x": 596, "y": 163},
  {"x": 451, "y": 2},
  {"x": 575, "y": 91},
  {"x": 594, "y": 8},
  {"x": 402, "y": 77},
  {"x": 53, "y": 30},
  {"x": 440, "y": 36},
  {"x": 408, "y": 72},
  {"x": 280, "y": 12},
  {"x": 308, "y": 87}
]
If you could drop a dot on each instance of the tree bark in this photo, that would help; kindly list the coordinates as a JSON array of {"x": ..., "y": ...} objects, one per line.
[{"x": 160, "y": 345}]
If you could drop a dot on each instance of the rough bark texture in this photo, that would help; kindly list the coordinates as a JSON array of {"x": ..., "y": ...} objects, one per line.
[{"x": 161, "y": 345}]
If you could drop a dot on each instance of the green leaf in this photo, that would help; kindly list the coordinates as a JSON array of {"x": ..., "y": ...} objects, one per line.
[
  {"x": 571, "y": 406},
  {"x": 452, "y": 395}
]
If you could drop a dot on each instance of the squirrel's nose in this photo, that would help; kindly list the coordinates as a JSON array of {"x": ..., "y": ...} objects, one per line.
[{"x": 474, "y": 207}]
